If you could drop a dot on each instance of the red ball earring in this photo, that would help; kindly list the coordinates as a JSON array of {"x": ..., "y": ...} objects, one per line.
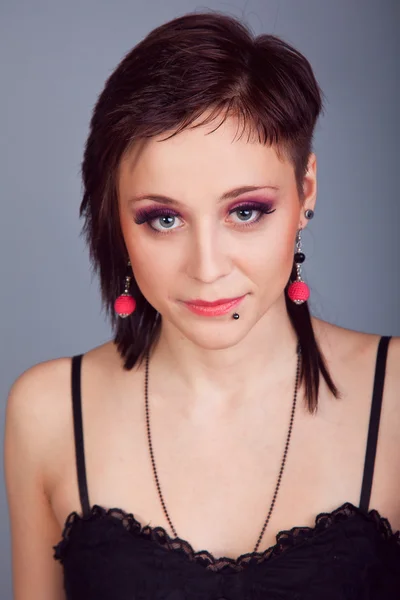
[
  {"x": 125, "y": 304},
  {"x": 298, "y": 290}
]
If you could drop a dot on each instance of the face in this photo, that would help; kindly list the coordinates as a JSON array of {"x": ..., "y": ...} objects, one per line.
[{"x": 211, "y": 216}]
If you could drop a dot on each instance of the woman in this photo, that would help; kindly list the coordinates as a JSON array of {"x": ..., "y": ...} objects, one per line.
[{"x": 224, "y": 444}]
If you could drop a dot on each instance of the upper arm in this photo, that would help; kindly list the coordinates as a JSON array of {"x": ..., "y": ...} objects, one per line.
[{"x": 34, "y": 529}]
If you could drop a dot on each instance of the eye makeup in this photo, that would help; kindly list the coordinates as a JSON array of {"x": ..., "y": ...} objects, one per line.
[
  {"x": 149, "y": 214},
  {"x": 144, "y": 215}
]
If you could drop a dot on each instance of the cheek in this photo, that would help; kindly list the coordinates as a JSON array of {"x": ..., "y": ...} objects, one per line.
[
  {"x": 271, "y": 255},
  {"x": 153, "y": 269},
  {"x": 268, "y": 264}
]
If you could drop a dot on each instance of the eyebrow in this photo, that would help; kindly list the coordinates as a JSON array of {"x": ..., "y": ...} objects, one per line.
[{"x": 230, "y": 194}]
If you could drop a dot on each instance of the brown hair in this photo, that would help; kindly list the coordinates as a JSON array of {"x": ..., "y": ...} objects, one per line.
[{"x": 197, "y": 64}]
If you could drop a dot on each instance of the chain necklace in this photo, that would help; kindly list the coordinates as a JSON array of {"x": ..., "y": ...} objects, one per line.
[{"x": 146, "y": 394}]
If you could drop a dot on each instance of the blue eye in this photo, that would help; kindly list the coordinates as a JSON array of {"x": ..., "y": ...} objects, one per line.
[
  {"x": 245, "y": 211},
  {"x": 166, "y": 218}
]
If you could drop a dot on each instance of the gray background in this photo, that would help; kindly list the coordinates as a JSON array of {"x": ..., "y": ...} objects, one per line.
[{"x": 55, "y": 57}]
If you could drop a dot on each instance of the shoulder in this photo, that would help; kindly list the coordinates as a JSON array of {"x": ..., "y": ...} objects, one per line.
[
  {"x": 35, "y": 409},
  {"x": 38, "y": 407},
  {"x": 353, "y": 355},
  {"x": 356, "y": 348},
  {"x": 38, "y": 418},
  {"x": 386, "y": 483},
  {"x": 35, "y": 392},
  {"x": 42, "y": 386},
  {"x": 392, "y": 379}
]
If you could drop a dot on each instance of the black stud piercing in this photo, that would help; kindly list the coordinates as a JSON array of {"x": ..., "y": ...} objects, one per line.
[
  {"x": 309, "y": 213},
  {"x": 235, "y": 316}
]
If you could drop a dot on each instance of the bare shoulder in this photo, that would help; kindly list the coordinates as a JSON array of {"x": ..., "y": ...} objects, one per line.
[
  {"x": 33, "y": 417},
  {"x": 39, "y": 403},
  {"x": 355, "y": 350},
  {"x": 355, "y": 353},
  {"x": 343, "y": 344},
  {"x": 352, "y": 356},
  {"x": 38, "y": 430},
  {"x": 35, "y": 399},
  {"x": 387, "y": 465}
]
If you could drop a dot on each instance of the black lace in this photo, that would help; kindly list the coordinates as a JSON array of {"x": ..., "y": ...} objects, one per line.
[{"x": 284, "y": 539}]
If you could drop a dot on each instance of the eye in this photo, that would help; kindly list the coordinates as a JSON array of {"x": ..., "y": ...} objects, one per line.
[
  {"x": 245, "y": 214},
  {"x": 246, "y": 211},
  {"x": 159, "y": 219},
  {"x": 165, "y": 221},
  {"x": 162, "y": 220}
]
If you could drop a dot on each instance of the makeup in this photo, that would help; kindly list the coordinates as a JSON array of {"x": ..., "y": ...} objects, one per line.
[
  {"x": 151, "y": 214},
  {"x": 213, "y": 309}
]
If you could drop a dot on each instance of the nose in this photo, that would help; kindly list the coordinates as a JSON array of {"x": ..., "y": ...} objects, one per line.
[{"x": 207, "y": 253}]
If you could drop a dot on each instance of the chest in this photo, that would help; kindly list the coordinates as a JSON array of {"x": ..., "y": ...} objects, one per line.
[{"x": 219, "y": 480}]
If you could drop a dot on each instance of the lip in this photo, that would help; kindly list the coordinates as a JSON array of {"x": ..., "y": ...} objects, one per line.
[
  {"x": 198, "y": 302},
  {"x": 213, "y": 309}
]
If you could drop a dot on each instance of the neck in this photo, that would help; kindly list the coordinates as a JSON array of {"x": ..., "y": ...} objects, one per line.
[{"x": 263, "y": 360}]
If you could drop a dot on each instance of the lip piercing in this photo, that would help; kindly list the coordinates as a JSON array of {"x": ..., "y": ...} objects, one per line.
[{"x": 235, "y": 316}]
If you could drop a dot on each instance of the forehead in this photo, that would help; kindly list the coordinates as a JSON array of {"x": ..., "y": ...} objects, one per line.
[{"x": 211, "y": 153}]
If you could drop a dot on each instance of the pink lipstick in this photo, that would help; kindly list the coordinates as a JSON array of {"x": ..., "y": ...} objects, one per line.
[{"x": 213, "y": 309}]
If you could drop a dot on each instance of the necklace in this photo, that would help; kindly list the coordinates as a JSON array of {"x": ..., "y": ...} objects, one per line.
[{"x": 146, "y": 395}]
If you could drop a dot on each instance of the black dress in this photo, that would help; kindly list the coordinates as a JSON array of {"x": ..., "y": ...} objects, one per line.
[{"x": 350, "y": 553}]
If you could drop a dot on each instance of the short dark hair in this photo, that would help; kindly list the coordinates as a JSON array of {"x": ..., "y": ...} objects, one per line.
[{"x": 196, "y": 65}]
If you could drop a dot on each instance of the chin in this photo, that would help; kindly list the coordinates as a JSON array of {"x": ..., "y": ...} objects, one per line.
[{"x": 214, "y": 335}]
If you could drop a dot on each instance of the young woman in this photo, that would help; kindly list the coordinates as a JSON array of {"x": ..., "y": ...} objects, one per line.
[{"x": 226, "y": 443}]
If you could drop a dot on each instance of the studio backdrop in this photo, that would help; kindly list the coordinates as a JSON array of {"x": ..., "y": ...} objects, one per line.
[{"x": 55, "y": 57}]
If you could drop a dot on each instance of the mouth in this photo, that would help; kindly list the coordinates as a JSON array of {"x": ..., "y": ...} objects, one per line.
[
  {"x": 215, "y": 308},
  {"x": 198, "y": 302}
]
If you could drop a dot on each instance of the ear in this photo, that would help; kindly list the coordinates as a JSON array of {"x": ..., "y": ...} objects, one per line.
[{"x": 309, "y": 189}]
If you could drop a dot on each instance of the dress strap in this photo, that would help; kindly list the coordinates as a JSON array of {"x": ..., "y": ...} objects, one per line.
[
  {"x": 374, "y": 420},
  {"x": 78, "y": 432}
]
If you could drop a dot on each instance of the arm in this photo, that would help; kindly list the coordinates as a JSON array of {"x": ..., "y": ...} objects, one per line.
[{"x": 34, "y": 528}]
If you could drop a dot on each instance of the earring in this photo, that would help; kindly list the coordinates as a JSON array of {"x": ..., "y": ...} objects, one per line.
[
  {"x": 298, "y": 290},
  {"x": 125, "y": 304}
]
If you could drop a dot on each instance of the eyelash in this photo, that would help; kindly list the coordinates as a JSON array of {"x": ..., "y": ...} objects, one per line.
[{"x": 145, "y": 216}]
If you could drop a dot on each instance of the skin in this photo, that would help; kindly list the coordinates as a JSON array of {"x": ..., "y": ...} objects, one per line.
[
  {"x": 208, "y": 253},
  {"x": 221, "y": 390}
]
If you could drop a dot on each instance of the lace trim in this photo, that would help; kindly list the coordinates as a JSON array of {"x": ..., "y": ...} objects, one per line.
[{"x": 284, "y": 539}]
